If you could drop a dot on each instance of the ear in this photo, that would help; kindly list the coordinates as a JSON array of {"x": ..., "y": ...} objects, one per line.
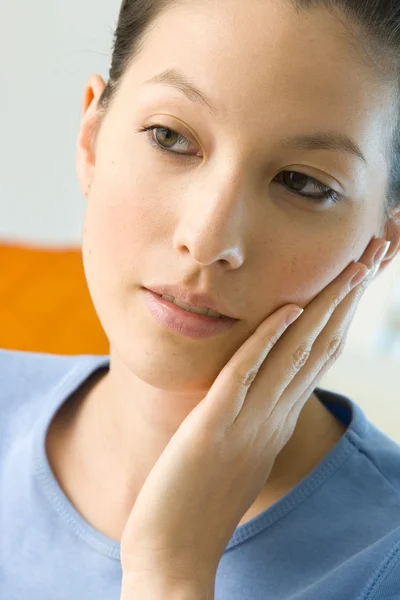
[
  {"x": 392, "y": 234},
  {"x": 89, "y": 125}
]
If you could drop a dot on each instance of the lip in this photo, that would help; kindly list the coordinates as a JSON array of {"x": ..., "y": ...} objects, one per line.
[
  {"x": 183, "y": 322},
  {"x": 192, "y": 298}
]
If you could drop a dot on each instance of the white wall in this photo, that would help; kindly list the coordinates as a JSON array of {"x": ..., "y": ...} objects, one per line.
[{"x": 48, "y": 49}]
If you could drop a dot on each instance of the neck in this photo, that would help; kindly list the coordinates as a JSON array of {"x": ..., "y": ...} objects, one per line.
[{"x": 106, "y": 439}]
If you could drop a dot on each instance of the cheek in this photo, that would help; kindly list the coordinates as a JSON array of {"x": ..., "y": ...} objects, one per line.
[
  {"x": 307, "y": 265},
  {"x": 124, "y": 219}
]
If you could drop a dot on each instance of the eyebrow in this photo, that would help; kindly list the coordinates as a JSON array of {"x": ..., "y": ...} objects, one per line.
[
  {"x": 178, "y": 80},
  {"x": 327, "y": 140}
]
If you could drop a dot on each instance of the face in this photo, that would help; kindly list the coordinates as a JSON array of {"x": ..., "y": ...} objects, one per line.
[{"x": 225, "y": 210}]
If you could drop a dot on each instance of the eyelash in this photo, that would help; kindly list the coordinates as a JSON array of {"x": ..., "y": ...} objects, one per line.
[{"x": 329, "y": 196}]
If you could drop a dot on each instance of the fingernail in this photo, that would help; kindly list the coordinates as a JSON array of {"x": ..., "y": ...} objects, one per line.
[
  {"x": 359, "y": 277},
  {"x": 293, "y": 316},
  {"x": 381, "y": 252}
]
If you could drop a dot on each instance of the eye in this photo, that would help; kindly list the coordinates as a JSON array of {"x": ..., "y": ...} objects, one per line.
[
  {"x": 168, "y": 140},
  {"x": 165, "y": 139},
  {"x": 296, "y": 183}
]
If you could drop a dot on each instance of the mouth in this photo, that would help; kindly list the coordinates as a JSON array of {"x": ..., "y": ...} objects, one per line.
[
  {"x": 198, "y": 310},
  {"x": 182, "y": 321},
  {"x": 193, "y": 301}
]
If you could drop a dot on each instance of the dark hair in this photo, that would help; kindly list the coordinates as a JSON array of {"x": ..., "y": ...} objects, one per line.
[{"x": 373, "y": 25}]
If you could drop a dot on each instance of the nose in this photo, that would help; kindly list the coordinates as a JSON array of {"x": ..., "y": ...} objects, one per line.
[{"x": 214, "y": 223}]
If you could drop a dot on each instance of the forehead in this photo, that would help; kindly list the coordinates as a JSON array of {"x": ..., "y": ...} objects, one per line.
[{"x": 261, "y": 62}]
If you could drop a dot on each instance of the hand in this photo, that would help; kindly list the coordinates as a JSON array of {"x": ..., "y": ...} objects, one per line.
[{"x": 219, "y": 460}]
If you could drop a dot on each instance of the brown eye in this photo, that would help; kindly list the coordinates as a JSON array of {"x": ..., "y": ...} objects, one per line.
[
  {"x": 295, "y": 180},
  {"x": 300, "y": 184},
  {"x": 165, "y": 137},
  {"x": 168, "y": 140}
]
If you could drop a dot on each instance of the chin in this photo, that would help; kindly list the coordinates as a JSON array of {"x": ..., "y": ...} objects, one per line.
[{"x": 160, "y": 361}]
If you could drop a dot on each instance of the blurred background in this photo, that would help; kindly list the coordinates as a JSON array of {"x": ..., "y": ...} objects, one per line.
[{"x": 47, "y": 57}]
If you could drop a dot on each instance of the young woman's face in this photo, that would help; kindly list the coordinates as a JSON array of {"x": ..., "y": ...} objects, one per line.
[{"x": 216, "y": 213}]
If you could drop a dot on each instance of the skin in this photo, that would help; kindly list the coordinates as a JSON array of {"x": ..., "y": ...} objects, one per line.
[{"x": 216, "y": 222}]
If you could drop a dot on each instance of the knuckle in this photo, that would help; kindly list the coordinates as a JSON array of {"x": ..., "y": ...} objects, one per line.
[
  {"x": 240, "y": 373},
  {"x": 244, "y": 375},
  {"x": 288, "y": 434},
  {"x": 274, "y": 436},
  {"x": 300, "y": 356},
  {"x": 336, "y": 300},
  {"x": 249, "y": 377},
  {"x": 339, "y": 350},
  {"x": 335, "y": 347},
  {"x": 274, "y": 339}
]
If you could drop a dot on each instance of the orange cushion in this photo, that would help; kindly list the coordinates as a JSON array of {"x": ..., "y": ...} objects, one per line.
[{"x": 45, "y": 305}]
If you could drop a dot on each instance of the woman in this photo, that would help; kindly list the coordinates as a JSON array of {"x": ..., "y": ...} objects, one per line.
[{"x": 243, "y": 158}]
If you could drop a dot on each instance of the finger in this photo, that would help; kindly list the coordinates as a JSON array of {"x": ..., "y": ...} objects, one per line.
[
  {"x": 294, "y": 349},
  {"x": 284, "y": 421},
  {"x": 226, "y": 396},
  {"x": 287, "y": 424},
  {"x": 329, "y": 345},
  {"x": 327, "y": 348},
  {"x": 289, "y": 359}
]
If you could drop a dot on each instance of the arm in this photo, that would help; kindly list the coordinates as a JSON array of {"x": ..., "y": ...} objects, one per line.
[{"x": 152, "y": 587}]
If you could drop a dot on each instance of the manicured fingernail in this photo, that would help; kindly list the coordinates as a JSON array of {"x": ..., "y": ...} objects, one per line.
[
  {"x": 293, "y": 316},
  {"x": 381, "y": 253},
  {"x": 359, "y": 277}
]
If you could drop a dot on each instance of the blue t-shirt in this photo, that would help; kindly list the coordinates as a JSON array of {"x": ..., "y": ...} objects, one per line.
[{"x": 335, "y": 536}]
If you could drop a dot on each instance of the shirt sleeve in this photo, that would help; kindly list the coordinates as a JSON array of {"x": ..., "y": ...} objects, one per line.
[{"x": 386, "y": 584}]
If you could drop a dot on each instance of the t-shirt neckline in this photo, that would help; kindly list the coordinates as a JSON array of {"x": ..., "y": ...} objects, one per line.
[{"x": 341, "y": 406}]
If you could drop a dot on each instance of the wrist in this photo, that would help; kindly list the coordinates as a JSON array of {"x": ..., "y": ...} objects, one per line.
[{"x": 149, "y": 586}]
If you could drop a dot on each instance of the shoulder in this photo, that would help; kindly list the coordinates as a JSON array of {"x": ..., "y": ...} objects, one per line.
[
  {"x": 20, "y": 370},
  {"x": 378, "y": 456},
  {"x": 385, "y": 581},
  {"x": 26, "y": 380},
  {"x": 383, "y": 454}
]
